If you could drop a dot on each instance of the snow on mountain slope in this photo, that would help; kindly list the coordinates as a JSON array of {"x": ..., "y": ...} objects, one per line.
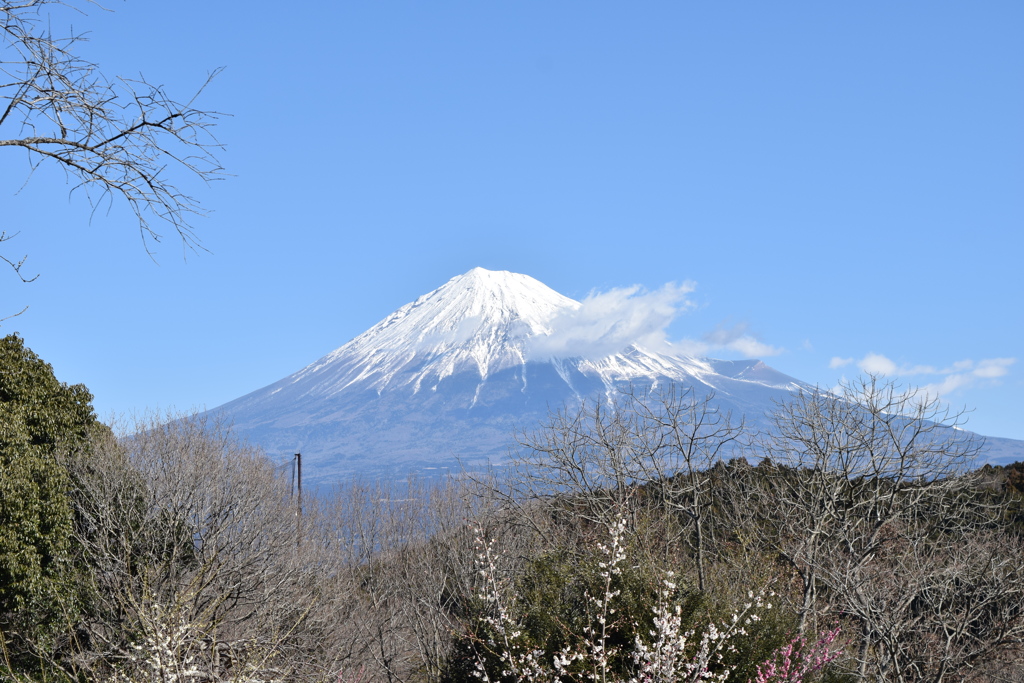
[
  {"x": 450, "y": 378},
  {"x": 481, "y": 322},
  {"x": 478, "y": 322}
]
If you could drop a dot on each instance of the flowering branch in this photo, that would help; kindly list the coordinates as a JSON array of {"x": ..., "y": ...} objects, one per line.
[
  {"x": 793, "y": 662},
  {"x": 675, "y": 655}
]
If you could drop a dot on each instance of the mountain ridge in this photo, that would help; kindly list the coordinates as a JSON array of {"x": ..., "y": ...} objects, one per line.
[{"x": 446, "y": 379}]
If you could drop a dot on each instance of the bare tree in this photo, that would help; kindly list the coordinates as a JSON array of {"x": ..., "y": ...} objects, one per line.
[
  {"x": 685, "y": 435},
  {"x": 410, "y": 546},
  {"x": 583, "y": 458},
  {"x": 937, "y": 609},
  {"x": 114, "y": 138},
  {"x": 873, "y": 505},
  {"x": 195, "y": 571},
  {"x": 647, "y": 449}
]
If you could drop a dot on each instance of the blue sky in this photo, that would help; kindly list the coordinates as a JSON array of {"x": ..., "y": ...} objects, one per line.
[{"x": 841, "y": 185}]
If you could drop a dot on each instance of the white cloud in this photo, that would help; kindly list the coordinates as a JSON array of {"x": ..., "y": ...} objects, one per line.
[
  {"x": 959, "y": 375},
  {"x": 722, "y": 336},
  {"x": 739, "y": 340},
  {"x": 877, "y": 364},
  {"x": 752, "y": 348},
  {"x": 607, "y": 322},
  {"x": 735, "y": 339},
  {"x": 948, "y": 385},
  {"x": 993, "y": 367},
  {"x": 959, "y": 366}
]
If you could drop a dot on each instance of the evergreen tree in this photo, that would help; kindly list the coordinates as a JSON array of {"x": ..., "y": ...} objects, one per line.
[{"x": 42, "y": 422}]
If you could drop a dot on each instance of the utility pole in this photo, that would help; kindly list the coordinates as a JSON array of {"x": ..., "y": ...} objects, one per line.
[{"x": 298, "y": 512}]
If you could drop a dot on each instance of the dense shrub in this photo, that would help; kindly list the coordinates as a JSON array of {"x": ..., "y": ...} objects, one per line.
[{"x": 44, "y": 424}]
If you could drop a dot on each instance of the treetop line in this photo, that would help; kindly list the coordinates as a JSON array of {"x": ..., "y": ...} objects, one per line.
[{"x": 620, "y": 546}]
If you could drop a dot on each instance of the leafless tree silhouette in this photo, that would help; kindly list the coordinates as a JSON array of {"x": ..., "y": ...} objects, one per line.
[{"x": 114, "y": 138}]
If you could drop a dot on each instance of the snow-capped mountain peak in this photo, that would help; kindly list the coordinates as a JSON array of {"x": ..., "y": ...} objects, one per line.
[
  {"x": 477, "y": 321},
  {"x": 455, "y": 373},
  {"x": 475, "y": 302}
]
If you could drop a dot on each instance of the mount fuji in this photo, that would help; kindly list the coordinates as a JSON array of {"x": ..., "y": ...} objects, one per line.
[{"x": 447, "y": 380}]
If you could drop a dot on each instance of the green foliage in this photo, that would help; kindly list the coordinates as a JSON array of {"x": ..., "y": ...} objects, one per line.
[
  {"x": 555, "y": 601},
  {"x": 42, "y": 422},
  {"x": 557, "y": 594}
]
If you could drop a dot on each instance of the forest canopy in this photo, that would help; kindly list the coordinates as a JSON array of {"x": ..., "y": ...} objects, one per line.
[{"x": 653, "y": 538}]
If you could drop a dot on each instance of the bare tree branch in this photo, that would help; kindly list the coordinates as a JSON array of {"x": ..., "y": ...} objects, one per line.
[
  {"x": 880, "y": 519},
  {"x": 115, "y": 139}
]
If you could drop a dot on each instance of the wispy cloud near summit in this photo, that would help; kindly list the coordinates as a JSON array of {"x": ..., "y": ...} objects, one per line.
[
  {"x": 736, "y": 339},
  {"x": 608, "y": 322}
]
